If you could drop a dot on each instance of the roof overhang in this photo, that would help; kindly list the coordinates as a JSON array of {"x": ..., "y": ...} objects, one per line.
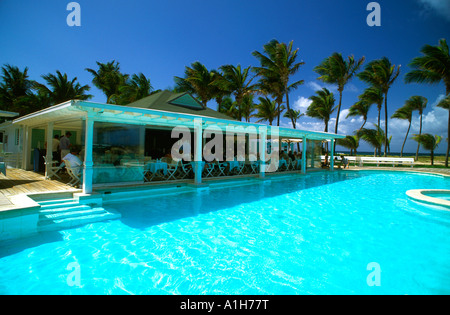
[
  {"x": 80, "y": 110},
  {"x": 59, "y": 114},
  {"x": 8, "y": 114}
]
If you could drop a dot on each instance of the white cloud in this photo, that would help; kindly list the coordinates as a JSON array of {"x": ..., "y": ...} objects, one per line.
[
  {"x": 438, "y": 99},
  {"x": 302, "y": 103},
  {"x": 311, "y": 125},
  {"x": 350, "y": 87},
  {"x": 435, "y": 122},
  {"x": 343, "y": 114},
  {"x": 441, "y": 7},
  {"x": 315, "y": 86}
]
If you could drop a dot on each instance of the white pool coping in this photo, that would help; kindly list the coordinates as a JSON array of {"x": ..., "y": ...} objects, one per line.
[{"x": 420, "y": 195}]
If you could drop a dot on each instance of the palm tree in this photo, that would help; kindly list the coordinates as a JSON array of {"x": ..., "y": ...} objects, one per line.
[
  {"x": 445, "y": 103},
  {"x": 417, "y": 103},
  {"x": 360, "y": 108},
  {"x": 428, "y": 142},
  {"x": 132, "y": 90},
  {"x": 381, "y": 74},
  {"x": 228, "y": 107},
  {"x": 267, "y": 110},
  {"x": 16, "y": 90},
  {"x": 108, "y": 79},
  {"x": 273, "y": 87},
  {"x": 349, "y": 142},
  {"x": 432, "y": 68},
  {"x": 293, "y": 115},
  {"x": 374, "y": 137},
  {"x": 322, "y": 106},
  {"x": 404, "y": 113},
  {"x": 277, "y": 66},
  {"x": 60, "y": 89},
  {"x": 373, "y": 95},
  {"x": 247, "y": 107},
  {"x": 235, "y": 80},
  {"x": 198, "y": 80},
  {"x": 219, "y": 95},
  {"x": 336, "y": 70}
]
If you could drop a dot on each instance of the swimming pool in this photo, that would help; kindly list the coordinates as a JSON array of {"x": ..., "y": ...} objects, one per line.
[{"x": 313, "y": 234}]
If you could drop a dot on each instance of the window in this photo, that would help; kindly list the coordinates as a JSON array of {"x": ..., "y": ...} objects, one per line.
[{"x": 17, "y": 137}]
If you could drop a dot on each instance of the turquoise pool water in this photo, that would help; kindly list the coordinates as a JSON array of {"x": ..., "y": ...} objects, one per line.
[
  {"x": 444, "y": 196},
  {"x": 315, "y": 234}
]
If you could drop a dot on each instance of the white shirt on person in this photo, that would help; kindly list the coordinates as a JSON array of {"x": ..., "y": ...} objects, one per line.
[
  {"x": 55, "y": 145},
  {"x": 75, "y": 162}
]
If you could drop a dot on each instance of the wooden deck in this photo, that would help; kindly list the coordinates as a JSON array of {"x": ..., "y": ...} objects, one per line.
[{"x": 17, "y": 182}]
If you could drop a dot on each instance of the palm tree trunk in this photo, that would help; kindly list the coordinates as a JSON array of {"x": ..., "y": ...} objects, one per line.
[
  {"x": 379, "y": 125},
  {"x": 379, "y": 116},
  {"x": 432, "y": 157},
  {"x": 338, "y": 112},
  {"x": 406, "y": 137},
  {"x": 238, "y": 99},
  {"x": 337, "y": 118},
  {"x": 448, "y": 140},
  {"x": 447, "y": 92},
  {"x": 289, "y": 109},
  {"x": 420, "y": 132},
  {"x": 363, "y": 124},
  {"x": 385, "y": 124},
  {"x": 279, "y": 113}
]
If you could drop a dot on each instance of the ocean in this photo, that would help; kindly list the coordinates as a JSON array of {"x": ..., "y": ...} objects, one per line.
[{"x": 389, "y": 154}]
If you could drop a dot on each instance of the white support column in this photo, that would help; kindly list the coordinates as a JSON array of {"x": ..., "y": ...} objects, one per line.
[
  {"x": 141, "y": 141},
  {"x": 198, "y": 136},
  {"x": 49, "y": 153},
  {"x": 304, "y": 156},
  {"x": 88, "y": 163},
  {"x": 332, "y": 155},
  {"x": 262, "y": 151},
  {"x": 26, "y": 145}
]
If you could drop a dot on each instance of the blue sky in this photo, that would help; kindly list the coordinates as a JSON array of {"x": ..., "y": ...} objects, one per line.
[{"x": 160, "y": 38}]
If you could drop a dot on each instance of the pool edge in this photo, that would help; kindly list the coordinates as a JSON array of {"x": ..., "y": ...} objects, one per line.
[{"x": 419, "y": 195}]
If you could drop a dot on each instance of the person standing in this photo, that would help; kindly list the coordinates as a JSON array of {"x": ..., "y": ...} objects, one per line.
[
  {"x": 64, "y": 145},
  {"x": 55, "y": 149}
]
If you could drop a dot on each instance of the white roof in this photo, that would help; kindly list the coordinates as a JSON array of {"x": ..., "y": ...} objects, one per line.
[
  {"x": 8, "y": 114},
  {"x": 78, "y": 110}
]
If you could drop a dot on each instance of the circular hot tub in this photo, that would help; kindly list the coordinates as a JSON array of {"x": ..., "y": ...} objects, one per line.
[{"x": 437, "y": 197}]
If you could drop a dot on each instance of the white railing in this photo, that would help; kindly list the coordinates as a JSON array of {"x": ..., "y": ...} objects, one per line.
[
  {"x": 360, "y": 160},
  {"x": 12, "y": 160}
]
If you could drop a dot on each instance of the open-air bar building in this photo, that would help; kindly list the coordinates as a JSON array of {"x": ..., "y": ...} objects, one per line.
[{"x": 122, "y": 144}]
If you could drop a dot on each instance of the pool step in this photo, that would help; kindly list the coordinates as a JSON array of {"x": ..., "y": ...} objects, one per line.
[
  {"x": 58, "y": 203},
  {"x": 55, "y": 216}
]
